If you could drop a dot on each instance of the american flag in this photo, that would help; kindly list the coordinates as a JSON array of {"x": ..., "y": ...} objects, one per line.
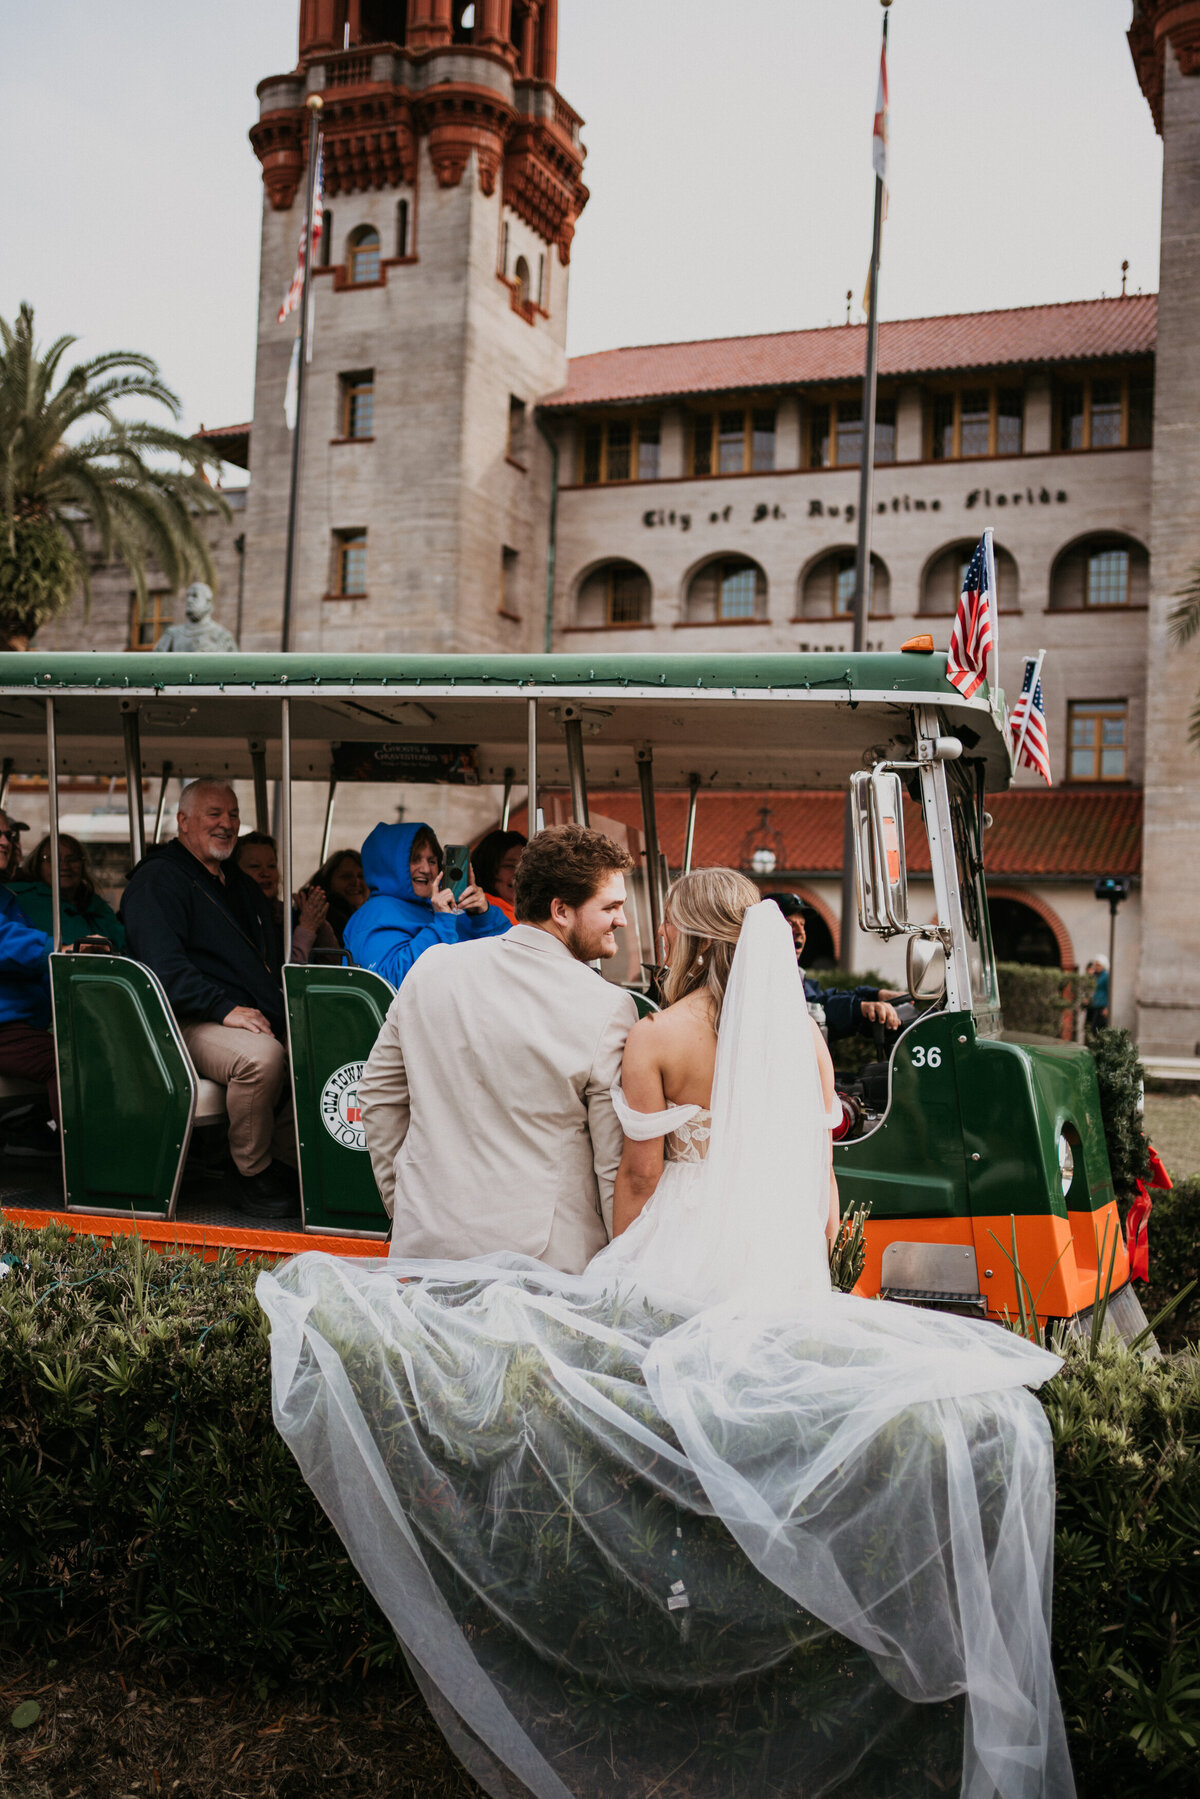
[
  {"x": 974, "y": 633},
  {"x": 880, "y": 132},
  {"x": 1028, "y": 723},
  {"x": 296, "y": 286}
]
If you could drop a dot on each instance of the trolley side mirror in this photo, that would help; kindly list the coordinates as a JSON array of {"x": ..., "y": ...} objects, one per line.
[{"x": 880, "y": 869}]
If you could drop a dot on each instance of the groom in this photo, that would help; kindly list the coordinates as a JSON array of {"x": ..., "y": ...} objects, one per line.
[{"x": 485, "y": 1100}]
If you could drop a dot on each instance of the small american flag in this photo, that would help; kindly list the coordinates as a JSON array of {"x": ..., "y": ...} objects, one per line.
[
  {"x": 296, "y": 286},
  {"x": 1028, "y": 723},
  {"x": 974, "y": 633}
]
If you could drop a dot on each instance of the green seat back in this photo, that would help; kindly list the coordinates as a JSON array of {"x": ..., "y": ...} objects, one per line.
[
  {"x": 334, "y": 1017},
  {"x": 126, "y": 1086}
]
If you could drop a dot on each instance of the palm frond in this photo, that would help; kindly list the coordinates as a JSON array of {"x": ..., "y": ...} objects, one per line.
[{"x": 1184, "y": 617}]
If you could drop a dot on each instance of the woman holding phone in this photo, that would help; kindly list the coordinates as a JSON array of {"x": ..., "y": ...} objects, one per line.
[{"x": 415, "y": 900}]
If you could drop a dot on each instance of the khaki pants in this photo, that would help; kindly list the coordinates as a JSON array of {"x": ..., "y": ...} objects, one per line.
[{"x": 253, "y": 1069}]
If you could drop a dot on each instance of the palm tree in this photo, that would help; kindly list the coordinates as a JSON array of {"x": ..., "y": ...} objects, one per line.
[
  {"x": 1184, "y": 625},
  {"x": 70, "y": 466}
]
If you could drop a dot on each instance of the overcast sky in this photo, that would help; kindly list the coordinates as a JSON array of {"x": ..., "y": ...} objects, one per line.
[{"x": 728, "y": 161}]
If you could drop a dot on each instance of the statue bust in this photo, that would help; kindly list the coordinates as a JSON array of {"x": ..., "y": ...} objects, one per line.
[{"x": 200, "y": 632}]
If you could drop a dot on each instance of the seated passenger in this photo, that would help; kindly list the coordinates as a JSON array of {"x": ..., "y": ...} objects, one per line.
[
  {"x": 84, "y": 913},
  {"x": 340, "y": 879},
  {"x": 257, "y": 857},
  {"x": 494, "y": 865},
  {"x": 26, "y": 1041},
  {"x": 10, "y": 847},
  {"x": 846, "y": 1013},
  {"x": 408, "y": 911},
  {"x": 208, "y": 933}
]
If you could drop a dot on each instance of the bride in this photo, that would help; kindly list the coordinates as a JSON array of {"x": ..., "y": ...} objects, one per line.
[{"x": 691, "y": 1523}]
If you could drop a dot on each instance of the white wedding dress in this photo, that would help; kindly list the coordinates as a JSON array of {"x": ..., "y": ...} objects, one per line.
[{"x": 691, "y": 1524}]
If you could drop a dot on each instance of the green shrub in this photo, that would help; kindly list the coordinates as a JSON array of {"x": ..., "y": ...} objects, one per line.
[
  {"x": 1119, "y": 1078},
  {"x": 1037, "y": 999},
  {"x": 1174, "y": 1261},
  {"x": 146, "y": 1500}
]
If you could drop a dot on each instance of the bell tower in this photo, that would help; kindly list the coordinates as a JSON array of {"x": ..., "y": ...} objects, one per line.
[
  {"x": 451, "y": 186},
  {"x": 1165, "y": 41}
]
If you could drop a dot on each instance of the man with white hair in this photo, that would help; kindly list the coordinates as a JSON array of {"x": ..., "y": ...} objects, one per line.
[
  {"x": 208, "y": 933},
  {"x": 1096, "y": 1017}
]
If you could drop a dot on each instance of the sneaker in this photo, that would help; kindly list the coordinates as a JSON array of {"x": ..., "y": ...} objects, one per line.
[
  {"x": 270, "y": 1194},
  {"x": 32, "y": 1139}
]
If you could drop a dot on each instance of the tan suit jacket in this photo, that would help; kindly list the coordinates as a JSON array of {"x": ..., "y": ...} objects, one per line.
[{"x": 486, "y": 1101}]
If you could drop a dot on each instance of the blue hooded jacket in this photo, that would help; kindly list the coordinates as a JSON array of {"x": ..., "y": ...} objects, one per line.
[
  {"x": 24, "y": 968},
  {"x": 394, "y": 927}
]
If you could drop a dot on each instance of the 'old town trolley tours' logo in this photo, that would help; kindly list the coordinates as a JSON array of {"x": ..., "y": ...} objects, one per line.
[{"x": 340, "y": 1111}]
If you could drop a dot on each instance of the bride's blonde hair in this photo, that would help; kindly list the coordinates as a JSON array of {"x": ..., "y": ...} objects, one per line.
[{"x": 706, "y": 907}]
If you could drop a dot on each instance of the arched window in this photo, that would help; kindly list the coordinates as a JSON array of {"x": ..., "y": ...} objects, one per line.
[
  {"x": 463, "y": 18},
  {"x": 826, "y": 588},
  {"x": 363, "y": 256},
  {"x": 615, "y": 594},
  {"x": 521, "y": 277},
  {"x": 727, "y": 590},
  {"x": 941, "y": 584},
  {"x": 402, "y": 228},
  {"x": 1098, "y": 573},
  {"x": 1019, "y": 934}
]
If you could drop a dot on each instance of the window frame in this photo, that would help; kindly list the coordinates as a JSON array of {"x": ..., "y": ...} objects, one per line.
[
  {"x": 953, "y": 391},
  {"x": 610, "y": 619},
  {"x": 1086, "y": 379},
  {"x": 752, "y": 410},
  {"x": 347, "y": 543},
  {"x": 827, "y": 404},
  {"x": 157, "y": 597},
  {"x": 637, "y": 422},
  {"x": 1097, "y": 710},
  {"x": 353, "y": 387},
  {"x": 358, "y": 245},
  {"x": 1091, "y": 605}
]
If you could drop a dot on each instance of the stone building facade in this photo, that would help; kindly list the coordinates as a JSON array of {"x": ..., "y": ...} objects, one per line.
[{"x": 706, "y": 492}]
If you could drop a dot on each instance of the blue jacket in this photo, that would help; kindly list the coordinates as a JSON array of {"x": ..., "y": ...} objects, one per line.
[
  {"x": 24, "y": 968},
  {"x": 394, "y": 927}
]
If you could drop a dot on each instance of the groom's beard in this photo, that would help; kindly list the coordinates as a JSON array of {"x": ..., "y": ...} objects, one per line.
[{"x": 586, "y": 946}]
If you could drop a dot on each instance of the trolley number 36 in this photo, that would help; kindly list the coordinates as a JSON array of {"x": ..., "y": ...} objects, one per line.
[{"x": 926, "y": 1058}]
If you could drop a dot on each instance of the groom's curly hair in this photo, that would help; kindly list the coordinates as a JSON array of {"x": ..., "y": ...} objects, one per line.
[{"x": 567, "y": 863}]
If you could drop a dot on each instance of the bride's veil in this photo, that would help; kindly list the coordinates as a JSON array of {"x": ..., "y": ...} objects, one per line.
[{"x": 764, "y": 1195}]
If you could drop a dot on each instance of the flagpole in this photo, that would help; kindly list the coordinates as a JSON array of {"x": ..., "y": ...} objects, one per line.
[
  {"x": 314, "y": 104},
  {"x": 1033, "y": 687},
  {"x": 862, "y": 559}
]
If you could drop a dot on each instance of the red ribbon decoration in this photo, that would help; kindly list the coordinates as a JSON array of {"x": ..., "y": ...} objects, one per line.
[{"x": 1137, "y": 1219}]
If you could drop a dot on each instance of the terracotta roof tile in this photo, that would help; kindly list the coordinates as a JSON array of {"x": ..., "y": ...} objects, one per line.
[
  {"x": 1078, "y": 330},
  {"x": 1061, "y": 834}
]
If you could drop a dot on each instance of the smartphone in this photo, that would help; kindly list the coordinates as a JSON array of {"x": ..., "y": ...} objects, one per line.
[{"x": 456, "y": 869}]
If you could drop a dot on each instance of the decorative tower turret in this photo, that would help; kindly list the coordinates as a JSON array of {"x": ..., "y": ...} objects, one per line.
[
  {"x": 1165, "y": 40},
  {"x": 452, "y": 183}
]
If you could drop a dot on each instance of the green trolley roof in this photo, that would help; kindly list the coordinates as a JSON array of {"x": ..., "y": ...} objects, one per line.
[{"x": 737, "y": 721}]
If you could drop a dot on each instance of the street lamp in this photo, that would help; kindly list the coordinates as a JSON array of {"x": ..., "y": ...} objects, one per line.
[
  {"x": 1114, "y": 889},
  {"x": 762, "y": 848}
]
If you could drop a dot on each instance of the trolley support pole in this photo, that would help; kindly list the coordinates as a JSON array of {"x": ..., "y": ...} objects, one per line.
[
  {"x": 689, "y": 836},
  {"x": 327, "y": 833},
  {"x": 6, "y": 768},
  {"x": 133, "y": 783},
  {"x": 258, "y": 762},
  {"x": 506, "y": 803},
  {"x": 532, "y": 771},
  {"x": 285, "y": 820},
  {"x": 52, "y": 796},
  {"x": 162, "y": 802},
  {"x": 645, "y": 769},
  {"x": 573, "y": 732}
]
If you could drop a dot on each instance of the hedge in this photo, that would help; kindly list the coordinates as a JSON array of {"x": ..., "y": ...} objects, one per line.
[
  {"x": 1039, "y": 999},
  {"x": 146, "y": 1501}
]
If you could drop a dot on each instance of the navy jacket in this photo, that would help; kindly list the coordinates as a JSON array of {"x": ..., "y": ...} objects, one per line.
[
  {"x": 213, "y": 944},
  {"x": 24, "y": 967},
  {"x": 843, "y": 1011}
]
